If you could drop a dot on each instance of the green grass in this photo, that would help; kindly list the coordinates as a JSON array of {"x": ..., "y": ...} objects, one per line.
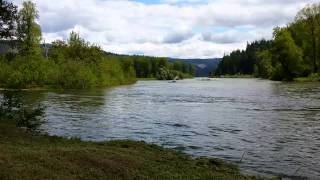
[
  {"x": 27, "y": 156},
  {"x": 311, "y": 78}
]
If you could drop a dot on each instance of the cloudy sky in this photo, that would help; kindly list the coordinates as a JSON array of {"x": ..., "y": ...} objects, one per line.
[{"x": 172, "y": 28}]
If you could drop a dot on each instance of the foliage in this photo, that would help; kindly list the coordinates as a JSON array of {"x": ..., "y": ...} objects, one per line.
[
  {"x": 293, "y": 52},
  {"x": 286, "y": 55},
  {"x": 66, "y": 68},
  {"x": 242, "y": 62},
  {"x": 307, "y": 30},
  {"x": 263, "y": 68},
  {"x": 310, "y": 78},
  {"x": 25, "y": 72},
  {"x": 29, "y": 32},
  {"x": 72, "y": 64},
  {"x": 82, "y": 65},
  {"x": 75, "y": 75},
  {"x": 165, "y": 74},
  {"x": 151, "y": 67},
  {"x": 12, "y": 108}
]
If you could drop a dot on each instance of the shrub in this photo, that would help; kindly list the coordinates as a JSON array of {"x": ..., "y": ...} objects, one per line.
[
  {"x": 75, "y": 75},
  {"x": 26, "y": 72}
]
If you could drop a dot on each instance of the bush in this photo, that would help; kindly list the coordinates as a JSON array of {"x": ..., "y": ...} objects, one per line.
[
  {"x": 27, "y": 72},
  {"x": 24, "y": 72},
  {"x": 110, "y": 72},
  {"x": 311, "y": 78},
  {"x": 66, "y": 69},
  {"x": 165, "y": 74},
  {"x": 75, "y": 75},
  {"x": 5, "y": 71}
]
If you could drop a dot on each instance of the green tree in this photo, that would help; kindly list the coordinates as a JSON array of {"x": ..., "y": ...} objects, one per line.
[
  {"x": 178, "y": 66},
  {"x": 286, "y": 55},
  {"x": 309, "y": 18},
  {"x": 165, "y": 74},
  {"x": 242, "y": 61},
  {"x": 81, "y": 50},
  {"x": 29, "y": 32},
  {"x": 264, "y": 68},
  {"x": 57, "y": 51},
  {"x": 192, "y": 69}
]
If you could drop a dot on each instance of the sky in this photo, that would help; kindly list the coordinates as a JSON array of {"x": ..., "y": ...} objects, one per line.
[{"x": 166, "y": 28}]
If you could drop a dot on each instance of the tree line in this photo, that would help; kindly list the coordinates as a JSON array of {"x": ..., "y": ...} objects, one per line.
[
  {"x": 158, "y": 67},
  {"x": 72, "y": 64},
  {"x": 293, "y": 52}
]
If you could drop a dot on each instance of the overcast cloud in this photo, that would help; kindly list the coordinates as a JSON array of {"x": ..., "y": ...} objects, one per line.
[{"x": 173, "y": 28}]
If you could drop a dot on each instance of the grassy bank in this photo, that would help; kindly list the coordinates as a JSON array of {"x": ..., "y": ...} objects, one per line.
[
  {"x": 26, "y": 156},
  {"x": 311, "y": 78}
]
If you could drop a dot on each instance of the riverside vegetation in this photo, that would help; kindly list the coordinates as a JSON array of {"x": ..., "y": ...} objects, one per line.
[
  {"x": 71, "y": 64},
  {"x": 292, "y": 54}
]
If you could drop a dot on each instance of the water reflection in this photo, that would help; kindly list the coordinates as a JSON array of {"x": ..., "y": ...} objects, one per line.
[{"x": 13, "y": 107}]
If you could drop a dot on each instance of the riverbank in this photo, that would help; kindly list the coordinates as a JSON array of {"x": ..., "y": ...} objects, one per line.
[
  {"x": 146, "y": 79},
  {"x": 311, "y": 78},
  {"x": 234, "y": 76},
  {"x": 54, "y": 88},
  {"x": 27, "y": 156}
]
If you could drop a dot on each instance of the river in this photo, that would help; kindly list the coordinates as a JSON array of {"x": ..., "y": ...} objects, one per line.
[{"x": 273, "y": 128}]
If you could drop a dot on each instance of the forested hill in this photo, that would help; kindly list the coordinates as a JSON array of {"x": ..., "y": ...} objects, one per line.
[
  {"x": 203, "y": 66},
  {"x": 292, "y": 54}
]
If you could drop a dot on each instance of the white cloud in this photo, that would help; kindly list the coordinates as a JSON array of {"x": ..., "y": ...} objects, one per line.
[{"x": 175, "y": 28}]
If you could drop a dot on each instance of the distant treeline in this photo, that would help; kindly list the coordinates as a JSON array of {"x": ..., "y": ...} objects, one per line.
[
  {"x": 293, "y": 52},
  {"x": 157, "y": 67},
  {"x": 72, "y": 64}
]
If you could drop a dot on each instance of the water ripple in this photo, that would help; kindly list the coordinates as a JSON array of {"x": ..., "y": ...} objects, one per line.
[{"x": 275, "y": 126}]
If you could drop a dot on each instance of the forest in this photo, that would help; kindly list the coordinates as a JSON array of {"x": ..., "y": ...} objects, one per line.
[
  {"x": 71, "y": 64},
  {"x": 157, "y": 67},
  {"x": 293, "y": 52}
]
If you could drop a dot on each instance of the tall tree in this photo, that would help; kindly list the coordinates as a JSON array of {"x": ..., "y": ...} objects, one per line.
[
  {"x": 29, "y": 32},
  {"x": 8, "y": 16},
  {"x": 309, "y": 17},
  {"x": 287, "y": 56}
]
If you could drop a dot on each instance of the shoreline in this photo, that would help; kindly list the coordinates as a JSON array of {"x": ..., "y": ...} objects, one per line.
[
  {"x": 234, "y": 76},
  {"x": 24, "y": 155},
  {"x": 313, "y": 78},
  {"x": 47, "y": 88}
]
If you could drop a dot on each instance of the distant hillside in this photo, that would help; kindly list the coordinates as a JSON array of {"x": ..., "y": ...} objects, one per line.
[{"x": 203, "y": 66}]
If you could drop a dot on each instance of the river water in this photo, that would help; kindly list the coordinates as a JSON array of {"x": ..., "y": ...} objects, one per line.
[{"x": 273, "y": 127}]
